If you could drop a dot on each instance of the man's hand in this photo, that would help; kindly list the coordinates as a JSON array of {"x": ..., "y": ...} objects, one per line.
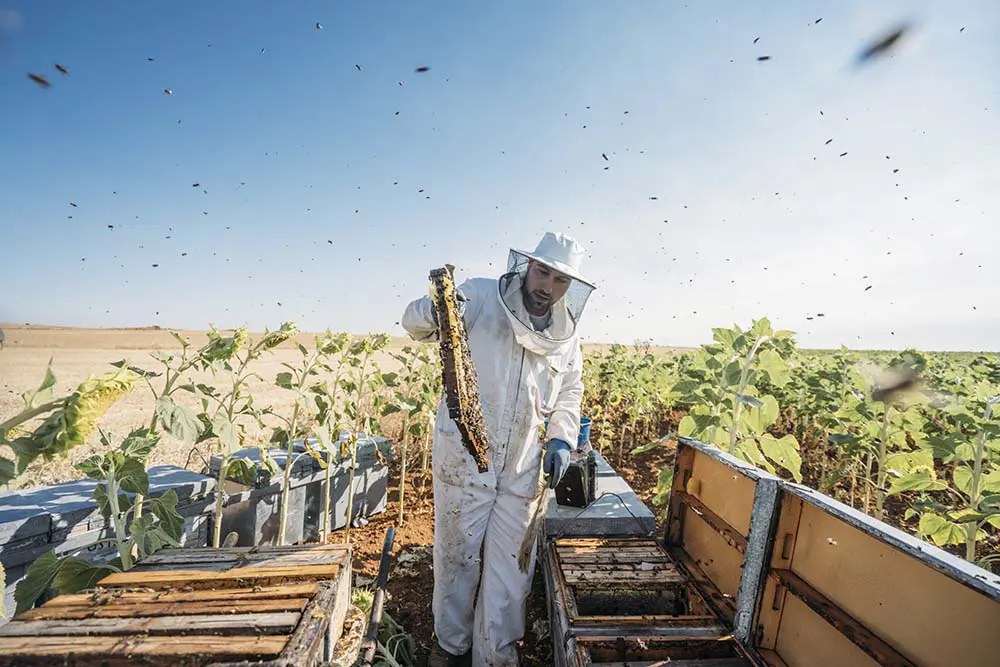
[{"x": 555, "y": 461}]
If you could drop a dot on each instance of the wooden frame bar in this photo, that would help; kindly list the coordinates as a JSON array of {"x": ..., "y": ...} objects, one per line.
[
  {"x": 961, "y": 570},
  {"x": 728, "y": 533}
]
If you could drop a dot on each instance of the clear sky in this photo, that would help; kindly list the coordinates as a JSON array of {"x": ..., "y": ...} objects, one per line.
[{"x": 325, "y": 192}]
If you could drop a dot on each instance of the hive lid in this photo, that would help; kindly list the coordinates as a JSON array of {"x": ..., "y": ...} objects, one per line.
[
  {"x": 816, "y": 582},
  {"x": 71, "y": 504},
  {"x": 304, "y": 464}
]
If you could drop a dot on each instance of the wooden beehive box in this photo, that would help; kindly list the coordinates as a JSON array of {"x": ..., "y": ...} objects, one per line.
[
  {"x": 631, "y": 601},
  {"x": 267, "y": 606},
  {"x": 754, "y": 570}
]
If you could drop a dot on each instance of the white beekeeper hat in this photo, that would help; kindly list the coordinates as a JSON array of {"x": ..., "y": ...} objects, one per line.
[{"x": 560, "y": 252}]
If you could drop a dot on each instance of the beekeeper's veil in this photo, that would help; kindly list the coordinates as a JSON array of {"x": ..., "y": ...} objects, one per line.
[{"x": 564, "y": 256}]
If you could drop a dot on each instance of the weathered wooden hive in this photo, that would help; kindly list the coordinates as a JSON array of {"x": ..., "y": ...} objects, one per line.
[
  {"x": 267, "y": 606},
  {"x": 757, "y": 571}
]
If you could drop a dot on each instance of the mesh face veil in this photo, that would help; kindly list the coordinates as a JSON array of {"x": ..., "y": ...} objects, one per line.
[{"x": 563, "y": 316}]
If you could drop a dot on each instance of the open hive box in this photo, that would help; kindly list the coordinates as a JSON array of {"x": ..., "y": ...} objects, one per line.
[
  {"x": 757, "y": 571},
  {"x": 268, "y": 606}
]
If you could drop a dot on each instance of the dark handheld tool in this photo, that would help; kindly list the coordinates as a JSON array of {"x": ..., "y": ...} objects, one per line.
[
  {"x": 578, "y": 487},
  {"x": 370, "y": 643}
]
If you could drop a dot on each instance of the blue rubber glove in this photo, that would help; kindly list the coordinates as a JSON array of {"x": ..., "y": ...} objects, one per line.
[{"x": 555, "y": 461}]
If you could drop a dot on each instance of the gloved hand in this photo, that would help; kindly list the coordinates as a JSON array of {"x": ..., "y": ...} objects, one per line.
[{"x": 555, "y": 461}]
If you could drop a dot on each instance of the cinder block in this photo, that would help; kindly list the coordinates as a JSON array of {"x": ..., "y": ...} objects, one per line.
[{"x": 617, "y": 511}]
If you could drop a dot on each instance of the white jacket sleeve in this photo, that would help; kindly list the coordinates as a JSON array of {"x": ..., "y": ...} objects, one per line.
[
  {"x": 564, "y": 423},
  {"x": 418, "y": 318}
]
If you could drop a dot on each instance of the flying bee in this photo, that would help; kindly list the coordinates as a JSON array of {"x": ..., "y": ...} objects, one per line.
[{"x": 885, "y": 44}]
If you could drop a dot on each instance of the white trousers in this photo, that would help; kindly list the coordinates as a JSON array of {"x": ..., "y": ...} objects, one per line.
[{"x": 468, "y": 519}]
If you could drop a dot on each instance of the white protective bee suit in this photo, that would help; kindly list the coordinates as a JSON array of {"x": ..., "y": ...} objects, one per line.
[{"x": 525, "y": 376}]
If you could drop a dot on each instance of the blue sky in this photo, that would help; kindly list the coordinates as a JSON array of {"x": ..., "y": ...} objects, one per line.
[{"x": 293, "y": 147}]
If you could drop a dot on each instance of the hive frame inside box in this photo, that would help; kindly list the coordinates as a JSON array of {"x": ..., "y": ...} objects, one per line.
[
  {"x": 268, "y": 579},
  {"x": 795, "y": 577}
]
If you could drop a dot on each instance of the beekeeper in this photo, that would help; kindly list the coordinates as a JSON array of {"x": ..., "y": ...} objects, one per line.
[{"x": 522, "y": 331}]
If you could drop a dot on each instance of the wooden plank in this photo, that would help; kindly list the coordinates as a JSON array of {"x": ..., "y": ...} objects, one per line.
[
  {"x": 617, "y": 548},
  {"x": 558, "y": 597},
  {"x": 173, "y": 567},
  {"x": 164, "y": 609},
  {"x": 149, "y": 651},
  {"x": 614, "y": 558},
  {"x": 305, "y": 646},
  {"x": 631, "y": 633},
  {"x": 243, "y": 555},
  {"x": 579, "y": 552},
  {"x": 638, "y": 567},
  {"x": 644, "y": 579},
  {"x": 727, "y": 492},
  {"x": 648, "y": 619},
  {"x": 953, "y": 567},
  {"x": 757, "y": 558},
  {"x": 719, "y": 561},
  {"x": 683, "y": 463},
  {"x": 248, "y": 561},
  {"x": 238, "y": 577},
  {"x": 769, "y": 618},
  {"x": 703, "y": 587},
  {"x": 728, "y": 533},
  {"x": 196, "y": 555},
  {"x": 299, "y": 548},
  {"x": 848, "y": 626},
  {"x": 295, "y": 560},
  {"x": 805, "y": 639},
  {"x": 667, "y": 649},
  {"x": 114, "y": 596},
  {"x": 606, "y": 542},
  {"x": 228, "y": 624}
]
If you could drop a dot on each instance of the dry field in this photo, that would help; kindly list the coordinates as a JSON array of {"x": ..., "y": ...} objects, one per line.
[{"x": 79, "y": 353}]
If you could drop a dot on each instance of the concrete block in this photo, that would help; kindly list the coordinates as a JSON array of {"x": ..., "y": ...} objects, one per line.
[{"x": 619, "y": 515}]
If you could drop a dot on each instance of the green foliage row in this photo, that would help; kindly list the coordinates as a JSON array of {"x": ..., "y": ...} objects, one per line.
[{"x": 916, "y": 431}]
